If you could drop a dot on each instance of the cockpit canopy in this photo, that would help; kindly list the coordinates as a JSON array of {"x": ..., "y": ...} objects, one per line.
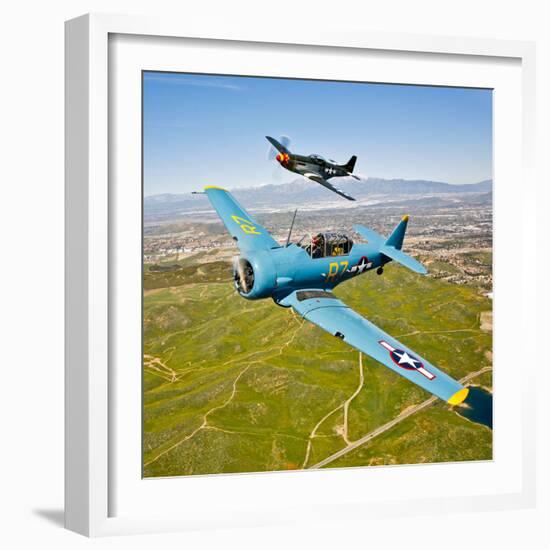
[
  {"x": 324, "y": 245},
  {"x": 317, "y": 158}
]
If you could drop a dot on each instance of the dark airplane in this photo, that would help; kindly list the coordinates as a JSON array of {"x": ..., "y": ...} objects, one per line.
[{"x": 314, "y": 167}]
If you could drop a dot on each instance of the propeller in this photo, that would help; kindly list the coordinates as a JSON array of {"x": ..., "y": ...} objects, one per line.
[
  {"x": 239, "y": 272},
  {"x": 245, "y": 280},
  {"x": 272, "y": 152}
]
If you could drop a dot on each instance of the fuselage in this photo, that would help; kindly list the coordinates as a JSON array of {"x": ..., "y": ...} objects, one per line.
[
  {"x": 280, "y": 271},
  {"x": 312, "y": 164}
]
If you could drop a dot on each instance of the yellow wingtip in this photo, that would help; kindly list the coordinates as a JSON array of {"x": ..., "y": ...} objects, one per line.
[
  {"x": 458, "y": 397},
  {"x": 213, "y": 187},
  {"x": 405, "y": 218}
]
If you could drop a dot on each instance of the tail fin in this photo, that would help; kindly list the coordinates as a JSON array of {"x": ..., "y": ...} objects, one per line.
[
  {"x": 398, "y": 234},
  {"x": 392, "y": 248},
  {"x": 350, "y": 165}
]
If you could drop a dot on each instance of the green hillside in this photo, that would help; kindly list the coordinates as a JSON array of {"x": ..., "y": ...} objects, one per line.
[{"x": 232, "y": 385}]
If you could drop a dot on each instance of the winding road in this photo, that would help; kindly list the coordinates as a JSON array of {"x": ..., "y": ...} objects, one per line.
[{"x": 390, "y": 424}]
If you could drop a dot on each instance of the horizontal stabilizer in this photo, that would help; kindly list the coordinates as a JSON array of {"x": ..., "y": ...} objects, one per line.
[
  {"x": 402, "y": 258},
  {"x": 371, "y": 236}
]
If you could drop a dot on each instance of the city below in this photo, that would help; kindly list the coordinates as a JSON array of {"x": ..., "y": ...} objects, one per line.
[{"x": 451, "y": 233}]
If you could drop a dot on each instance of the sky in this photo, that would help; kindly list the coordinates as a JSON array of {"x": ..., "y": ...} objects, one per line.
[{"x": 210, "y": 130}]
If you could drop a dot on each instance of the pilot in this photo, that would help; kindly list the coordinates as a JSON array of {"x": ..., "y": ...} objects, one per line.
[{"x": 316, "y": 247}]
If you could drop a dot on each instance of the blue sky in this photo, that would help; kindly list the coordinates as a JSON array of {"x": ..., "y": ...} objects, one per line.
[{"x": 209, "y": 130}]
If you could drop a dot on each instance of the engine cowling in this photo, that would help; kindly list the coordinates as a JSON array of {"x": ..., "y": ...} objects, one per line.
[{"x": 256, "y": 277}]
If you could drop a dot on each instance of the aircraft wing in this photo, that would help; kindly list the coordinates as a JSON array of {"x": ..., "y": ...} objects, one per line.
[
  {"x": 249, "y": 234},
  {"x": 323, "y": 309},
  {"x": 318, "y": 179}
]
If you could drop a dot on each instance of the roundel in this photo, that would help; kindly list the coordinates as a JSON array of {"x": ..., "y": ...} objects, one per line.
[{"x": 406, "y": 360}]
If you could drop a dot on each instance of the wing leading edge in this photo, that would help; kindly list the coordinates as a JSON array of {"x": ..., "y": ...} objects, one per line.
[
  {"x": 332, "y": 315},
  {"x": 318, "y": 179},
  {"x": 248, "y": 234}
]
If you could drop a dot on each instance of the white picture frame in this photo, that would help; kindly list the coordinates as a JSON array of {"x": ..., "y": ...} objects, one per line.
[{"x": 93, "y": 398}]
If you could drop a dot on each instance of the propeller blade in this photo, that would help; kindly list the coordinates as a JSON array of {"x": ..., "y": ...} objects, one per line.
[
  {"x": 239, "y": 269},
  {"x": 285, "y": 142},
  {"x": 272, "y": 151}
]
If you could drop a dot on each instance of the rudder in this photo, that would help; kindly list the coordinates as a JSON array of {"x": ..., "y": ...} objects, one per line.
[
  {"x": 350, "y": 165},
  {"x": 398, "y": 234}
]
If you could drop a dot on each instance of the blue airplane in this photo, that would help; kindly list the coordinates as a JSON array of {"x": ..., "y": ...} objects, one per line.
[{"x": 302, "y": 276}]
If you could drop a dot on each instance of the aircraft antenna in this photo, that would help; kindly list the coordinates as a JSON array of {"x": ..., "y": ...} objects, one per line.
[{"x": 291, "y": 226}]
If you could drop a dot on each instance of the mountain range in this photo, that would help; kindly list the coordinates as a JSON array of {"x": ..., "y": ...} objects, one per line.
[{"x": 300, "y": 191}]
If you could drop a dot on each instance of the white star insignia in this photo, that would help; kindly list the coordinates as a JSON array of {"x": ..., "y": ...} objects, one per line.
[{"x": 406, "y": 358}]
